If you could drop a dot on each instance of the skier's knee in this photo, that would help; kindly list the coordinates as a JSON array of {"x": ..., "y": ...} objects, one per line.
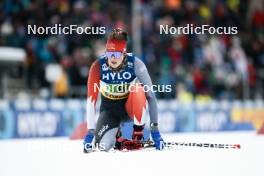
[
  {"x": 106, "y": 145},
  {"x": 108, "y": 140}
]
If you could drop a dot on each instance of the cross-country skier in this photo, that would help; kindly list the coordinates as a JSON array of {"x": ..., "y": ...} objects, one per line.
[{"x": 120, "y": 77}]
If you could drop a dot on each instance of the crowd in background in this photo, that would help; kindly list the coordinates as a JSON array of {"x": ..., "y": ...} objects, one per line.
[{"x": 212, "y": 66}]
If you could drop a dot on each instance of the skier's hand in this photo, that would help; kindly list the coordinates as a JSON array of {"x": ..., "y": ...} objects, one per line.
[
  {"x": 88, "y": 141},
  {"x": 156, "y": 137},
  {"x": 158, "y": 141}
]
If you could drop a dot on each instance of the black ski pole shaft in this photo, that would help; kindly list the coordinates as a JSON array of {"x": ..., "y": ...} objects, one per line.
[
  {"x": 205, "y": 145},
  {"x": 148, "y": 144}
]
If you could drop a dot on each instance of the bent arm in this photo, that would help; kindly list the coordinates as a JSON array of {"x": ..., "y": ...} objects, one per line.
[
  {"x": 93, "y": 84},
  {"x": 144, "y": 78}
]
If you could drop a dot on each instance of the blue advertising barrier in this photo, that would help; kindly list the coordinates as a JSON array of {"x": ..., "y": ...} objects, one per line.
[
  {"x": 7, "y": 124},
  {"x": 38, "y": 124},
  {"x": 48, "y": 118}
]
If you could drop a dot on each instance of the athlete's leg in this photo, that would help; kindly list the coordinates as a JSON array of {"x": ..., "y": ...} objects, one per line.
[
  {"x": 106, "y": 130},
  {"x": 136, "y": 104},
  {"x": 136, "y": 108}
]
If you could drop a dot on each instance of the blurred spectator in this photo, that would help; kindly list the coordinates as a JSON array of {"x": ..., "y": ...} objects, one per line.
[
  {"x": 61, "y": 86},
  {"x": 183, "y": 96},
  {"x": 218, "y": 65}
]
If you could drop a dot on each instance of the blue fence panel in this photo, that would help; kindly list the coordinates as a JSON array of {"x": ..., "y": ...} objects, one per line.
[{"x": 47, "y": 118}]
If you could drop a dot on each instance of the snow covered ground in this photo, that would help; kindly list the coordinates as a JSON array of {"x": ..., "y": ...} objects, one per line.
[{"x": 63, "y": 157}]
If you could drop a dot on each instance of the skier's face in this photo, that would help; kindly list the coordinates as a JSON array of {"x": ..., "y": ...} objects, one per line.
[{"x": 115, "y": 59}]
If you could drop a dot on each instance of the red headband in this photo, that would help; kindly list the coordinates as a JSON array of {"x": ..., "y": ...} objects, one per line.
[{"x": 116, "y": 45}]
